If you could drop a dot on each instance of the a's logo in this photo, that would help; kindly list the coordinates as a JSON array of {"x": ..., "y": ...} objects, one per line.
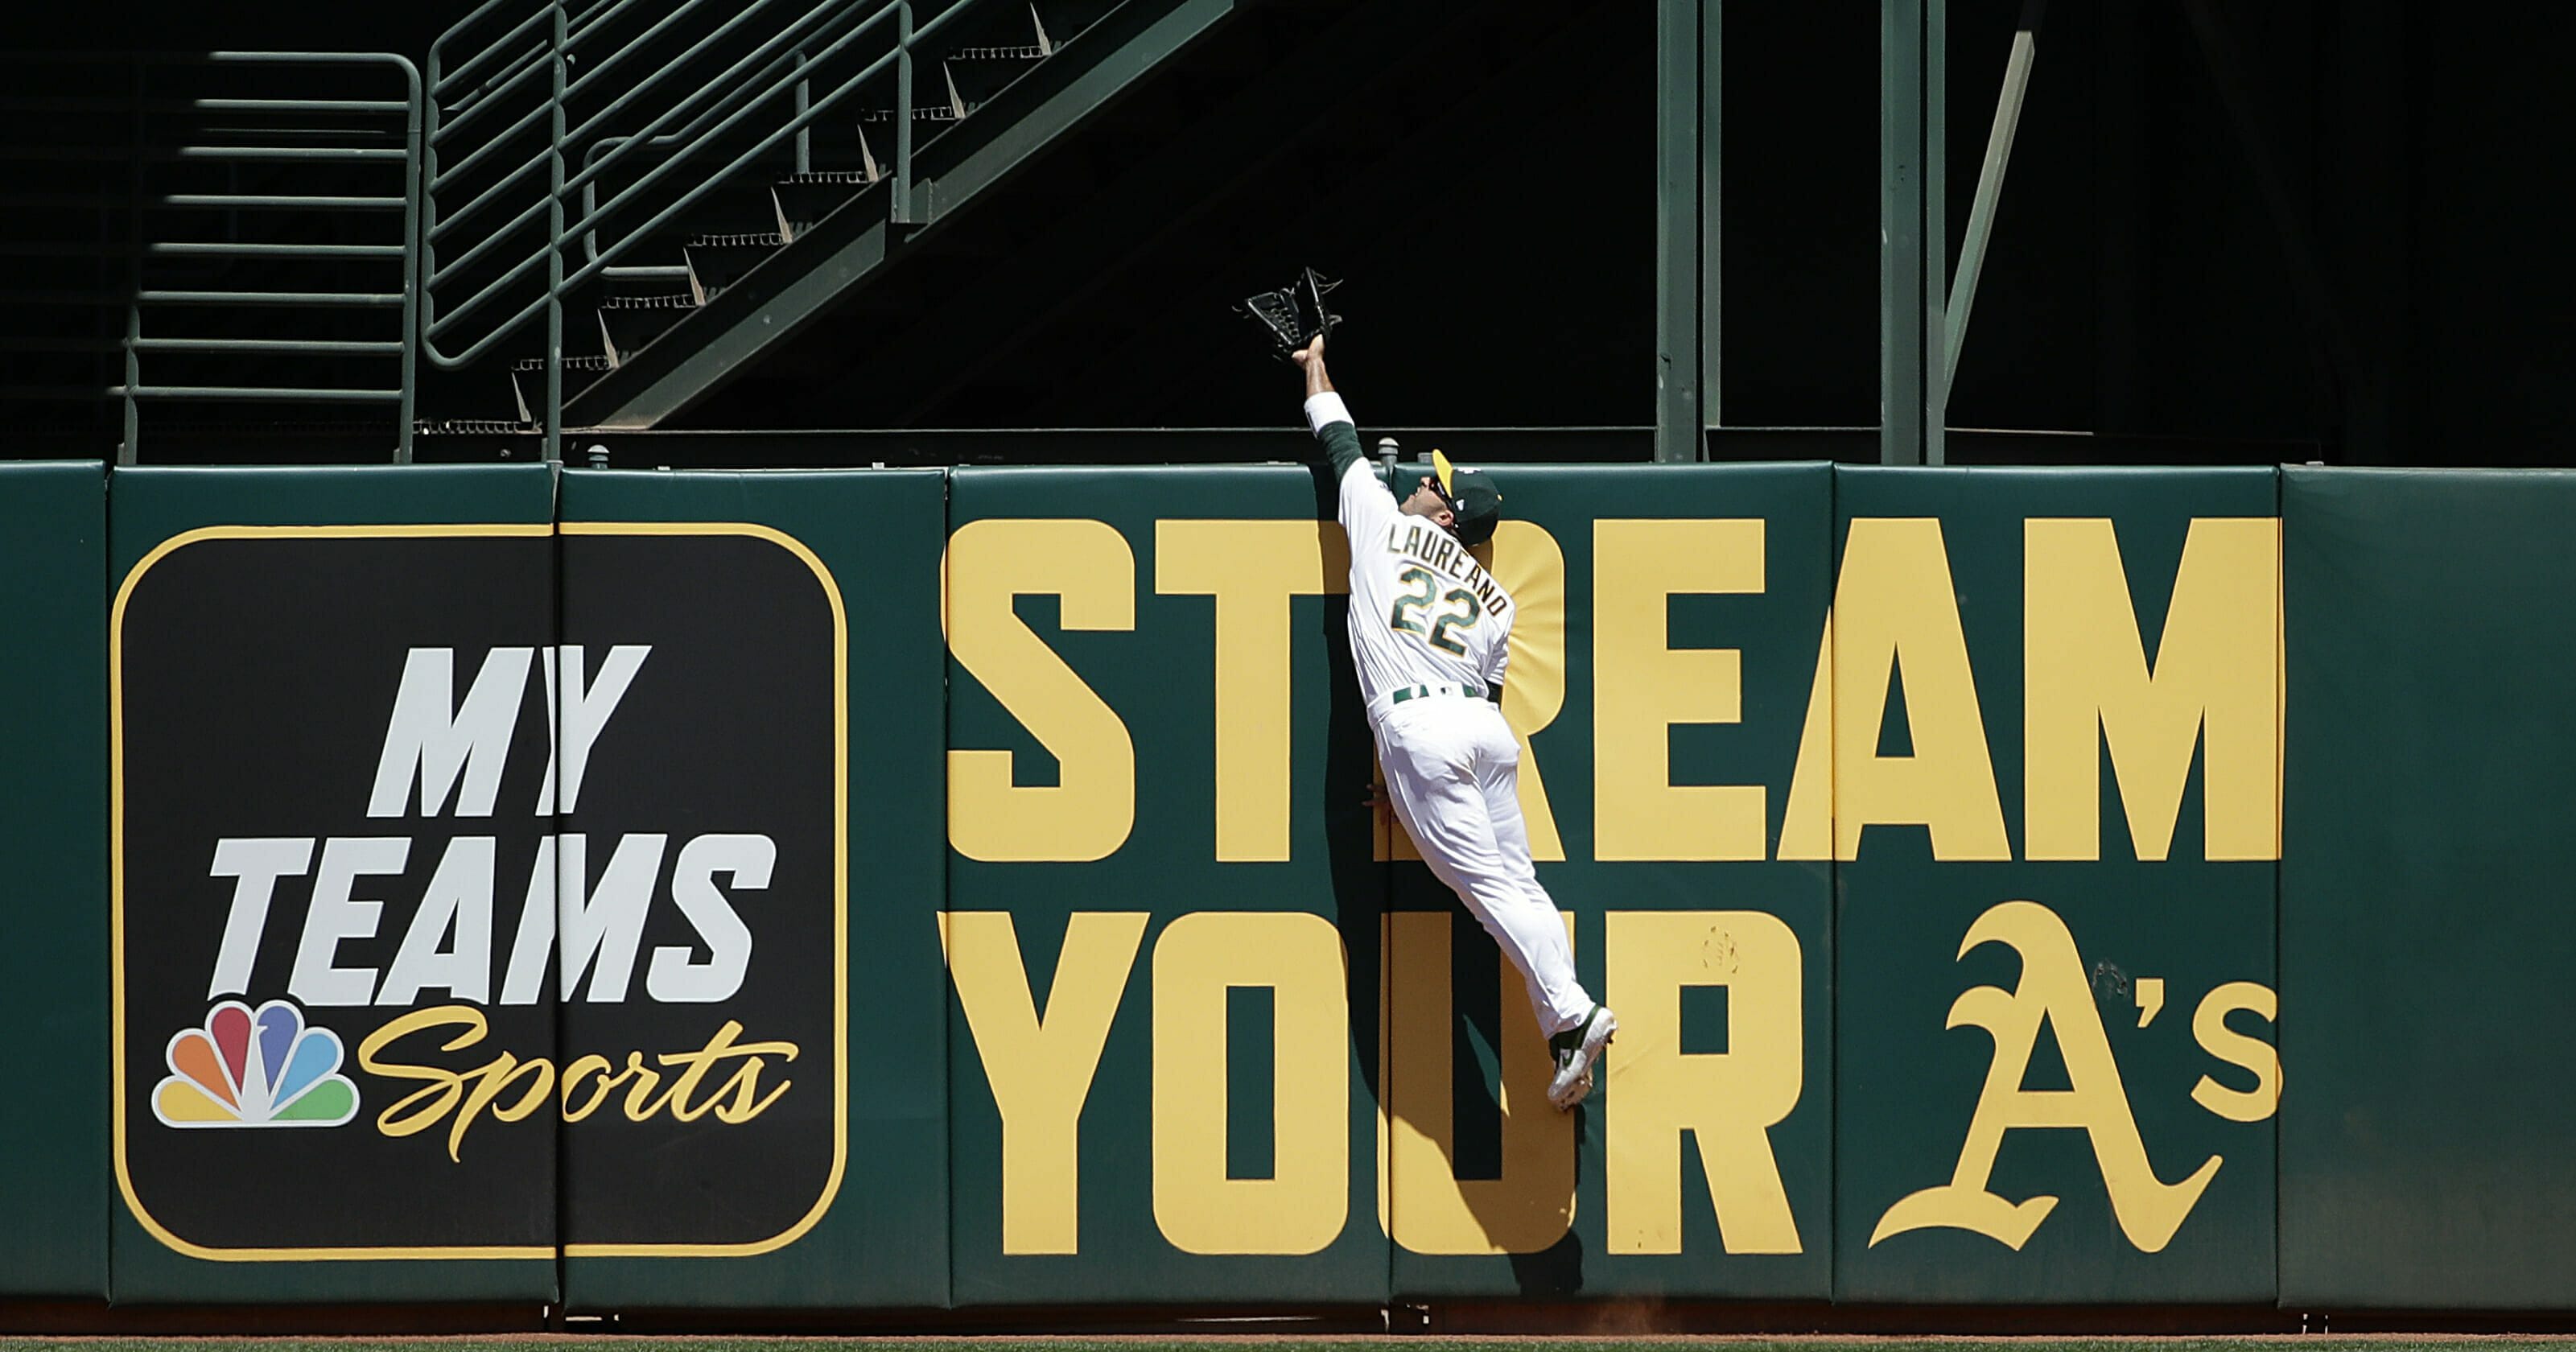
[{"x": 255, "y": 1069}]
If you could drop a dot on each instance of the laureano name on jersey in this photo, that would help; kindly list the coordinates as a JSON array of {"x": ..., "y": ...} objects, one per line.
[{"x": 1423, "y": 611}]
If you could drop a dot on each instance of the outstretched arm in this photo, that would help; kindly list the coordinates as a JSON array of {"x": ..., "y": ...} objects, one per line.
[{"x": 1325, "y": 411}]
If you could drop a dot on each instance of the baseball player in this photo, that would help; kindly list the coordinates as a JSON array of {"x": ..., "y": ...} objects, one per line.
[{"x": 1430, "y": 634}]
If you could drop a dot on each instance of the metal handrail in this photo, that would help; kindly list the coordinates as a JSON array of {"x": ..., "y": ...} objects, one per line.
[
  {"x": 587, "y": 180},
  {"x": 139, "y": 102},
  {"x": 592, "y": 172},
  {"x": 712, "y": 114}
]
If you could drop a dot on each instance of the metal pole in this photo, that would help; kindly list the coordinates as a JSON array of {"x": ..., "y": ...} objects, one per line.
[
  {"x": 1678, "y": 431},
  {"x": 554, "y": 257},
  {"x": 126, "y": 450},
  {"x": 1712, "y": 146},
  {"x": 804, "y": 135},
  {"x": 902, "y": 115},
  {"x": 1900, "y": 232},
  {"x": 427, "y": 254},
  {"x": 1990, "y": 184},
  {"x": 412, "y": 193},
  {"x": 1936, "y": 229}
]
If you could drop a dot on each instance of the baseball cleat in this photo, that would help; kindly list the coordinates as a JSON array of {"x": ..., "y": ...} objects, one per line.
[{"x": 1576, "y": 1049}]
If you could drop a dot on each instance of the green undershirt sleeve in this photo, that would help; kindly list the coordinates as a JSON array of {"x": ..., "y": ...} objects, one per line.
[{"x": 1341, "y": 445}]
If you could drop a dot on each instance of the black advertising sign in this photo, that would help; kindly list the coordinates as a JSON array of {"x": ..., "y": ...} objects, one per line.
[{"x": 457, "y": 866}]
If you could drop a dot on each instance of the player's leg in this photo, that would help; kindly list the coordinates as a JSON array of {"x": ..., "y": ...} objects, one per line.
[
  {"x": 1523, "y": 906},
  {"x": 1431, "y": 779},
  {"x": 1581, "y": 1029}
]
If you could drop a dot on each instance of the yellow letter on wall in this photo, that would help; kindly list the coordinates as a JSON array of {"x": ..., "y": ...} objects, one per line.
[
  {"x": 1528, "y": 563},
  {"x": 1087, "y": 813},
  {"x": 2053, "y": 993},
  {"x": 1040, "y": 1069},
  {"x": 1807, "y": 823},
  {"x": 1429, "y": 1209},
  {"x": 1896, "y": 608},
  {"x": 2216, "y": 680},
  {"x": 1251, "y": 568},
  {"x": 1730, "y": 1100},
  {"x": 1643, "y": 686},
  {"x": 1302, "y": 1206},
  {"x": 2209, "y": 1028}
]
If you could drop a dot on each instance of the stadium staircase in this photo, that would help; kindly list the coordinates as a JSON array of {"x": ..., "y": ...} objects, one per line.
[
  {"x": 598, "y": 213},
  {"x": 691, "y": 184},
  {"x": 617, "y": 203}
]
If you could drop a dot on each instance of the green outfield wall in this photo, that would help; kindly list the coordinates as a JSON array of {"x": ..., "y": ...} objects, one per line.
[
  {"x": 2424, "y": 898},
  {"x": 920, "y": 890},
  {"x": 53, "y": 829}
]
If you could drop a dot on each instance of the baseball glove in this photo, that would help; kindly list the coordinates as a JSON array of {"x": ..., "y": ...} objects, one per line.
[{"x": 1294, "y": 313}]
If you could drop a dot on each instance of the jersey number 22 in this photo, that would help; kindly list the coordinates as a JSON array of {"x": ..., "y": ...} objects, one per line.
[{"x": 1407, "y": 615}]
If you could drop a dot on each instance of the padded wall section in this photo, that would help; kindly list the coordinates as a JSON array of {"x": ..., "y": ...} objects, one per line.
[
  {"x": 1663, "y": 659},
  {"x": 426, "y": 898},
  {"x": 334, "y": 901},
  {"x": 53, "y": 830},
  {"x": 2056, "y": 747},
  {"x": 771, "y": 643},
  {"x": 2425, "y": 904},
  {"x": 1164, "y": 912}
]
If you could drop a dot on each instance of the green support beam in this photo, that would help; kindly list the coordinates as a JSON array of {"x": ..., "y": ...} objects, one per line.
[
  {"x": 1712, "y": 147},
  {"x": 1913, "y": 254},
  {"x": 1990, "y": 185},
  {"x": 1679, "y": 434}
]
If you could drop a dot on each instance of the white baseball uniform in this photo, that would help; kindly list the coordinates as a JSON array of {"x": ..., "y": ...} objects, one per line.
[{"x": 1430, "y": 635}]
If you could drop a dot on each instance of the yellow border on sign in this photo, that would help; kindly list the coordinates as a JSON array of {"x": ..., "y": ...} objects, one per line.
[{"x": 840, "y": 889}]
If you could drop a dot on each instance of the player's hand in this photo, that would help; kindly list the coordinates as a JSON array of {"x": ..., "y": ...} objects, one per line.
[
  {"x": 1313, "y": 351},
  {"x": 1375, "y": 799}
]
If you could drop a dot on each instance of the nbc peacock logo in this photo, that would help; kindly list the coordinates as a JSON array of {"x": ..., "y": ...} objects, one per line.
[{"x": 261, "y": 1068}]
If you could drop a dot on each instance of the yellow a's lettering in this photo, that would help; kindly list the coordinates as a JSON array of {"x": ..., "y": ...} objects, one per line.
[
  {"x": 2052, "y": 991},
  {"x": 1252, "y": 568},
  {"x": 1528, "y": 563},
  {"x": 1895, "y": 607},
  {"x": 1423, "y": 1203},
  {"x": 1303, "y": 1205},
  {"x": 1643, "y": 687},
  {"x": 1807, "y": 826},
  {"x": 1040, "y": 1069},
  {"x": 1730, "y": 1100},
  {"x": 2216, "y": 678},
  {"x": 1088, "y": 812},
  {"x": 2209, "y": 1028}
]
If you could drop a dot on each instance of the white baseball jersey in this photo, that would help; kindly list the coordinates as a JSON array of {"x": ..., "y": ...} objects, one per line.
[
  {"x": 1430, "y": 635},
  {"x": 1423, "y": 611}
]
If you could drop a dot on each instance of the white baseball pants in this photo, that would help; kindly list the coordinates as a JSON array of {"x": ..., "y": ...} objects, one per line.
[{"x": 1453, "y": 774}]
